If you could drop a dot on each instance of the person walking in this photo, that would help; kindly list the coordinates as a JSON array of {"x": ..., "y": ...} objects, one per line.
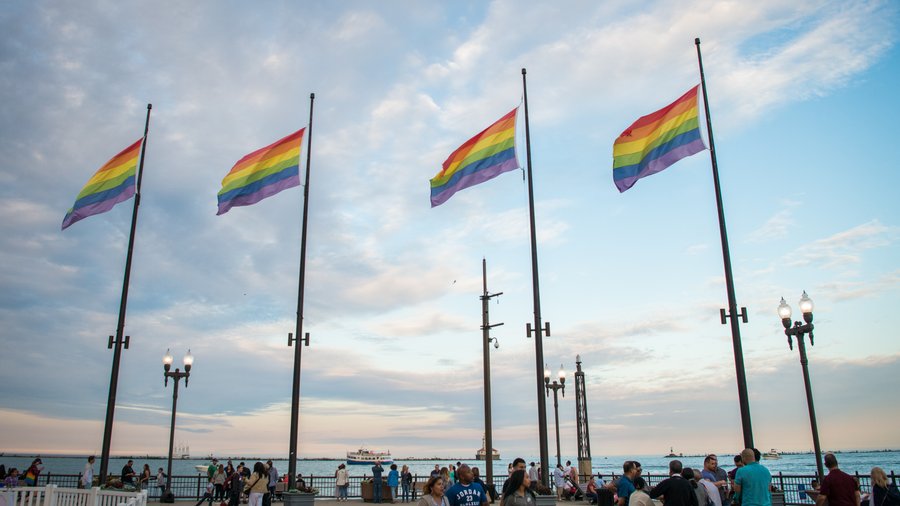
[
  {"x": 393, "y": 481},
  {"x": 87, "y": 476},
  {"x": 883, "y": 492},
  {"x": 257, "y": 485},
  {"x": 517, "y": 491},
  {"x": 342, "y": 482},
  {"x": 752, "y": 482},
  {"x": 465, "y": 492},
  {"x": 273, "y": 479},
  {"x": 406, "y": 479},
  {"x": 433, "y": 493},
  {"x": 377, "y": 481}
]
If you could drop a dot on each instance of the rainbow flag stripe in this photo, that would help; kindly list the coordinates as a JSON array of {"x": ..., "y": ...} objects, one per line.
[
  {"x": 657, "y": 140},
  {"x": 262, "y": 173},
  {"x": 483, "y": 157},
  {"x": 111, "y": 184}
]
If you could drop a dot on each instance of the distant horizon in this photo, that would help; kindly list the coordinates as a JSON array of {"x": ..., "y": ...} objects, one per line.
[{"x": 461, "y": 459}]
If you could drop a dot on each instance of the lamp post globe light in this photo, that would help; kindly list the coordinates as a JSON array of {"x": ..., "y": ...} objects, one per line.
[
  {"x": 555, "y": 386},
  {"x": 168, "y": 496},
  {"x": 799, "y": 330}
]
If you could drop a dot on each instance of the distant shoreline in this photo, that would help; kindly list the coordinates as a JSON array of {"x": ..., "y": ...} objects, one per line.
[{"x": 341, "y": 459}]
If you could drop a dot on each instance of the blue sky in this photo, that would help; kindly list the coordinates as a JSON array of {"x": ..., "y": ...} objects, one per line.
[{"x": 803, "y": 99}]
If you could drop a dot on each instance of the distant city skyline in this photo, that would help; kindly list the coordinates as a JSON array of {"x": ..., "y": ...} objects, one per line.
[{"x": 802, "y": 99}]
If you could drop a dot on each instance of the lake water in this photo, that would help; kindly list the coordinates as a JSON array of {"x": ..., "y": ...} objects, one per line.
[{"x": 804, "y": 463}]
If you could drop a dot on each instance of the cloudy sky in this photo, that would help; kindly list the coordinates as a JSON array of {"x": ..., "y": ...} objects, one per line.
[{"x": 803, "y": 98}]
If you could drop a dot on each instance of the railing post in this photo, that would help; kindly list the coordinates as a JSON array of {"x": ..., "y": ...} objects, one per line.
[
  {"x": 781, "y": 480},
  {"x": 50, "y": 495},
  {"x": 94, "y": 497},
  {"x": 893, "y": 478}
]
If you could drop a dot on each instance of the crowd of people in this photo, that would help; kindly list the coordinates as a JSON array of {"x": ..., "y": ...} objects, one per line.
[{"x": 747, "y": 484}]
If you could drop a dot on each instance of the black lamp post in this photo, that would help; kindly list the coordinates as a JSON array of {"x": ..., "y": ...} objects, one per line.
[
  {"x": 555, "y": 387},
  {"x": 799, "y": 330},
  {"x": 168, "y": 496}
]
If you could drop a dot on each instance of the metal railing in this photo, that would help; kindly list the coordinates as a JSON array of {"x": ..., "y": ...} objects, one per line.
[{"x": 193, "y": 487}]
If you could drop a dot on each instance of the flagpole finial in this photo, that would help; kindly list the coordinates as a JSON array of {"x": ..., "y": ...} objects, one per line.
[
  {"x": 523, "y": 71},
  {"x": 312, "y": 95},
  {"x": 697, "y": 40},
  {"x": 149, "y": 106}
]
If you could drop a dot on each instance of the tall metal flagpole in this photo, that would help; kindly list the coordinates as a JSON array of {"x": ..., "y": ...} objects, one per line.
[
  {"x": 120, "y": 340},
  {"x": 538, "y": 327},
  {"x": 732, "y": 313},
  {"x": 295, "y": 396},
  {"x": 486, "y": 362}
]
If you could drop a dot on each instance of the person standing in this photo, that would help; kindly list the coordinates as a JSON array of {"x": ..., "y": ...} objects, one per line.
[
  {"x": 559, "y": 481},
  {"x": 236, "y": 485},
  {"x": 433, "y": 493},
  {"x": 161, "y": 481},
  {"x": 838, "y": 487},
  {"x": 273, "y": 479},
  {"x": 377, "y": 481},
  {"x": 128, "y": 473},
  {"x": 393, "y": 481},
  {"x": 219, "y": 482},
  {"x": 717, "y": 476},
  {"x": 342, "y": 482},
  {"x": 639, "y": 497},
  {"x": 211, "y": 469},
  {"x": 752, "y": 481},
  {"x": 625, "y": 486},
  {"x": 883, "y": 492},
  {"x": 406, "y": 479},
  {"x": 465, "y": 492},
  {"x": 533, "y": 474},
  {"x": 144, "y": 480},
  {"x": 257, "y": 485},
  {"x": 33, "y": 471},
  {"x": 676, "y": 490},
  {"x": 87, "y": 476}
]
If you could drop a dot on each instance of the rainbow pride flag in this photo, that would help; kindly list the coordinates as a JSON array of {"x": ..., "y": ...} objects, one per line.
[
  {"x": 485, "y": 156},
  {"x": 111, "y": 184},
  {"x": 262, "y": 173},
  {"x": 657, "y": 140}
]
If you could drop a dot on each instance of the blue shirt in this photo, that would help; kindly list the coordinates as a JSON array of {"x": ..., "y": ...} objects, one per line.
[
  {"x": 626, "y": 487},
  {"x": 754, "y": 480},
  {"x": 466, "y": 495},
  {"x": 393, "y": 478}
]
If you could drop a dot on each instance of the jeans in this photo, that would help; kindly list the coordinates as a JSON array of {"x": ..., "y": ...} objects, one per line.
[
  {"x": 376, "y": 491},
  {"x": 393, "y": 493},
  {"x": 405, "y": 488},
  {"x": 342, "y": 491}
]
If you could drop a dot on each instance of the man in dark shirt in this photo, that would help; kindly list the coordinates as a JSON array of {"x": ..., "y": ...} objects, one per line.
[
  {"x": 838, "y": 488},
  {"x": 675, "y": 490},
  {"x": 376, "y": 481},
  {"x": 128, "y": 473}
]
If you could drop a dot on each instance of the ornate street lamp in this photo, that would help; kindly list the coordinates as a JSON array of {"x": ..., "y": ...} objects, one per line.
[
  {"x": 188, "y": 360},
  {"x": 561, "y": 385},
  {"x": 799, "y": 330}
]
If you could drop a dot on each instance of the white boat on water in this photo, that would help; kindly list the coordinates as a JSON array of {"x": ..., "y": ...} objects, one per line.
[
  {"x": 771, "y": 455},
  {"x": 365, "y": 456}
]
